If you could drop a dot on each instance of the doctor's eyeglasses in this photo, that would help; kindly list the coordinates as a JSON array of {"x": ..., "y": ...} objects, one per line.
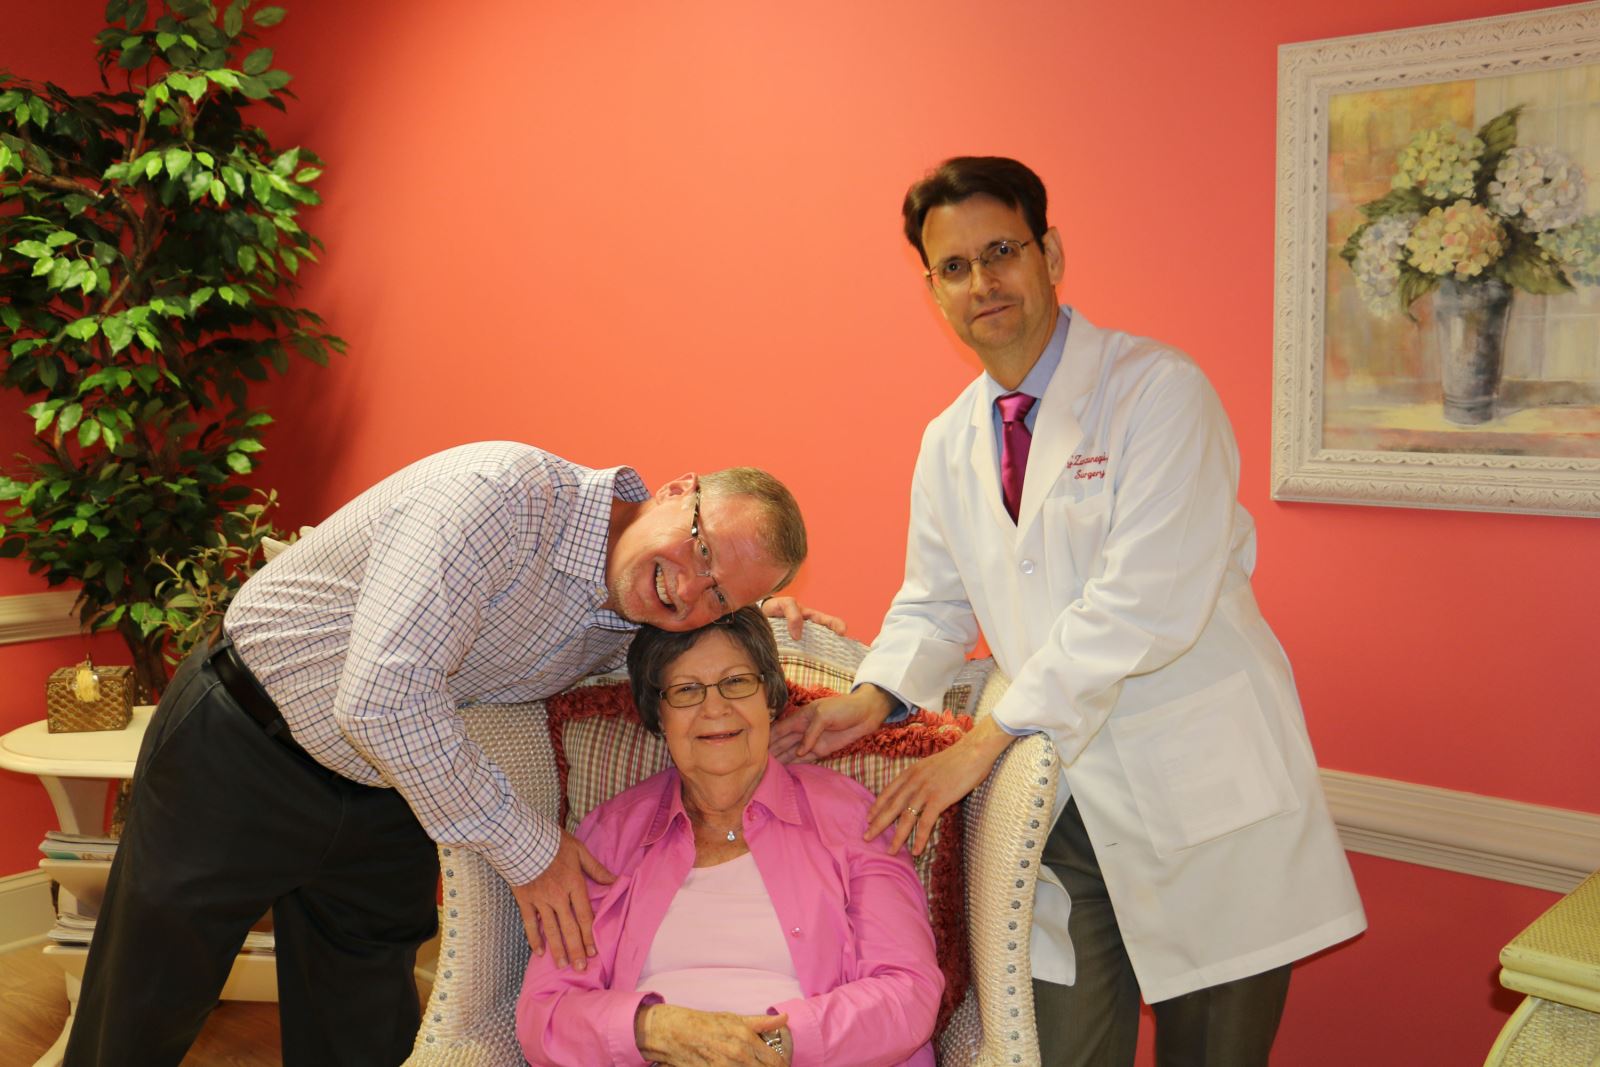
[{"x": 956, "y": 271}]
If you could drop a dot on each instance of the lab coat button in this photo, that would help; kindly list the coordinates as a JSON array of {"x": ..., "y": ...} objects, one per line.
[{"x": 1027, "y": 566}]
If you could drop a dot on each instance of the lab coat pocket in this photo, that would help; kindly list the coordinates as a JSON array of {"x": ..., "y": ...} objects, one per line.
[
  {"x": 1203, "y": 765},
  {"x": 1075, "y": 532}
]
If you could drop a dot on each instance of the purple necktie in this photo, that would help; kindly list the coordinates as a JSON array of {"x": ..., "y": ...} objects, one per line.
[{"x": 1015, "y": 438}]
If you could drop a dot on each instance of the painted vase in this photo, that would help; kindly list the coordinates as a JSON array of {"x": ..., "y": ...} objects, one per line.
[{"x": 1471, "y": 321}]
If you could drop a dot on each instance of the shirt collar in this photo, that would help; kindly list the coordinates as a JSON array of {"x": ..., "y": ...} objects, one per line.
[
  {"x": 776, "y": 793},
  {"x": 585, "y": 537},
  {"x": 1044, "y": 368}
]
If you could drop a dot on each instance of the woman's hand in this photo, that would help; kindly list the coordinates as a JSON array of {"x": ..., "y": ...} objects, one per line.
[{"x": 683, "y": 1037}]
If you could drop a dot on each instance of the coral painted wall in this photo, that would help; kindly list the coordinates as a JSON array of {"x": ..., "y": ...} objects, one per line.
[{"x": 668, "y": 235}]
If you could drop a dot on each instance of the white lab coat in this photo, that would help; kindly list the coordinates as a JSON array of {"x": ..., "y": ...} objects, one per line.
[{"x": 1119, "y": 605}]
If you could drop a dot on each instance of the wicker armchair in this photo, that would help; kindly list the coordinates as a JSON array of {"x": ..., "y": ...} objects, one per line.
[{"x": 483, "y": 951}]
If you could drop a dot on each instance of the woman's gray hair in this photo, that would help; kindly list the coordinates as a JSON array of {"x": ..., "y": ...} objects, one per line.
[{"x": 653, "y": 651}]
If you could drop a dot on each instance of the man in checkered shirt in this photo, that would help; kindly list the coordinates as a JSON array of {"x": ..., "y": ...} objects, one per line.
[{"x": 311, "y": 758}]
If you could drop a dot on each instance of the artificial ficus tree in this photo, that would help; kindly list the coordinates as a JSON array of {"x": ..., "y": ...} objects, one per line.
[{"x": 149, "y": 246}]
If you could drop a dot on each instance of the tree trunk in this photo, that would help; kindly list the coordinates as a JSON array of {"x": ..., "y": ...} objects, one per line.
[{"x": 149, "y": 666}]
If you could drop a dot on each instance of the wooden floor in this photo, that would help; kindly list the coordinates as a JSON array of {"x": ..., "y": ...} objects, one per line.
[{"x": 33, "y": 1008}]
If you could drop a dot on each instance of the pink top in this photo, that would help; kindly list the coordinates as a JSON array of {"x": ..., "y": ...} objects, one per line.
[
  {"x": 853, "y": 915},
  {"x": 742, "y": 967}
]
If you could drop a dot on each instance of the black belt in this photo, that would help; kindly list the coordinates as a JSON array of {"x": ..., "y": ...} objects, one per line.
[{"x": 247, "y": 692}]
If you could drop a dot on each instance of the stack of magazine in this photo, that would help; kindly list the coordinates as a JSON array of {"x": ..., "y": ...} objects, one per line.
[{"x": 72, "y": 928}]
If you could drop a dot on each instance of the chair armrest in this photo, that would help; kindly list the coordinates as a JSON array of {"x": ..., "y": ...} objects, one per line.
[
  {"x": 470, "y": 1019},
  {"x": 1007, "y": 820}
]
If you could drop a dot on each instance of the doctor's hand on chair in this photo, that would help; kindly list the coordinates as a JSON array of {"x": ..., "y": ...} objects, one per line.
[
  {"x": 555, "y": 905},
  {"x": 823, "y": 727},
  {"x": 913, "y": 802}
]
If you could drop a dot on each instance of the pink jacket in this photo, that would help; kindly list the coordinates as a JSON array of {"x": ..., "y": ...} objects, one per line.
[{"x": 854, "y": 915}]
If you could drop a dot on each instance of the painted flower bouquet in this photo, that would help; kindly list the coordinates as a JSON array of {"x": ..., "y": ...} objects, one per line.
[{"x": 1468, "y": 207}]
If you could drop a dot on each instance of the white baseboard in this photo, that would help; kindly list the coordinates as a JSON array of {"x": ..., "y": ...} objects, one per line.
[
  {"x": 36, "y": 616},
  {"x": 1490, "y": 837},
  {"x": 25, "y": 910}
]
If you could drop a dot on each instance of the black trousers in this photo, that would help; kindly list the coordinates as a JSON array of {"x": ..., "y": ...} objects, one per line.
[
  {"x": 1095, "y": 1021},
  {"x": 225, "y": 823}
]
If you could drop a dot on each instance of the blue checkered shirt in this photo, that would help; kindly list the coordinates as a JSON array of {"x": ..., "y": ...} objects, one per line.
[{"x": 473, "y": 576}]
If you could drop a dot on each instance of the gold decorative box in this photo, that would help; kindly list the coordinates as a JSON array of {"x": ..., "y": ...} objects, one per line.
[{"x": 87, "y": 697}]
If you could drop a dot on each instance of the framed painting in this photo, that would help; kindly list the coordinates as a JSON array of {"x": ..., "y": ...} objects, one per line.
[{"x": 1437, "y": 295}]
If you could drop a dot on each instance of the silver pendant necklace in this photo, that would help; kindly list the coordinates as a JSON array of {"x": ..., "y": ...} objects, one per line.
[{"x": 732, "y": 836}]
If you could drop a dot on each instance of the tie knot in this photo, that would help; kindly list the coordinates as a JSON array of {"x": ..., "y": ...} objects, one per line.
[{"x": 1014, "y": 407}]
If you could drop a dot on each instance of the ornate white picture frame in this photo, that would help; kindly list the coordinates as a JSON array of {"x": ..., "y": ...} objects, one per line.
[{"x": 1386, "y": 231}]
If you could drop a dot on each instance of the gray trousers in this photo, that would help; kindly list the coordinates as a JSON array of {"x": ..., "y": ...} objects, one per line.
[{"x": 1095, "y": 1022}]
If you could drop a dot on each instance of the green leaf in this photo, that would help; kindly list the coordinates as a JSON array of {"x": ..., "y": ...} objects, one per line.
[
  {"x": 115, "y": 9},
  {"x": 247, "y": 259},
  {"x": 1399, "y": 201},
  {"x": 177, "y": 160},
  {"x": 1529, "y": 269},
  {"x": 152, "y": 165},
  {"x": 1414, "y": 284},
  {"x": 253, "y": 88},
  {"x": 284, "y": 165},
  {"x": 135, "y": 17},
  {"x": 240, "y": 463},
  {"x": 234, "y": 180},
  {"x": 258, "y": 61},
  {"x": 84, "y": 328},
  {"x": 134, "y": 58},
  {"x": 118, "y": 332},
  {"x": 224, "y": 77},
  {"x": 218, "y": 192},
  {"x": 43, "y": 265},
  {"x": 165, "y": 41},
  {"x": 41, "y": 114},
  {"x": 60, "y": 237},
  {"x": 276, "y": 79},
  {"x": 70, "y": 416},
  {"x": 1500, "y": 132},
  {"x": 199, "y": 297},
  {"x": 205, "y": 159},
  {"x": 32, "y": 249},
  {"x": 9, "y": 316},
  {"x": 249, "y": 444},
  {"x": 88, "y": 433},
  {"x": 233, "y": 21},
  {"x": 310, "y": 174},
  {"x": 268, "y": 16}
]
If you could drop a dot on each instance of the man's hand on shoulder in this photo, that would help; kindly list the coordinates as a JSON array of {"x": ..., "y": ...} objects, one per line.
[
  {"x": 823, "y": 727},
  {"x": 555, "y": 905}
]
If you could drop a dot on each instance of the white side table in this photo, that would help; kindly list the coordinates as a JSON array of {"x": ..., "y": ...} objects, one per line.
[{"x": 75, "y": 769}]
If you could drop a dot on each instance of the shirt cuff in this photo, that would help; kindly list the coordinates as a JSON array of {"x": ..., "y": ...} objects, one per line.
[{"x": 902, "y": 709}]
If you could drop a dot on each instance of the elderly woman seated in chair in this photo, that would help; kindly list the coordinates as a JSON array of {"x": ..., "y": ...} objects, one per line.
[{"x": 749, "y": 922}]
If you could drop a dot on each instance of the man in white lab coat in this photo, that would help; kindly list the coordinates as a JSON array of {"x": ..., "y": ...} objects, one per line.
[{"x": 1078, "y": 505}]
